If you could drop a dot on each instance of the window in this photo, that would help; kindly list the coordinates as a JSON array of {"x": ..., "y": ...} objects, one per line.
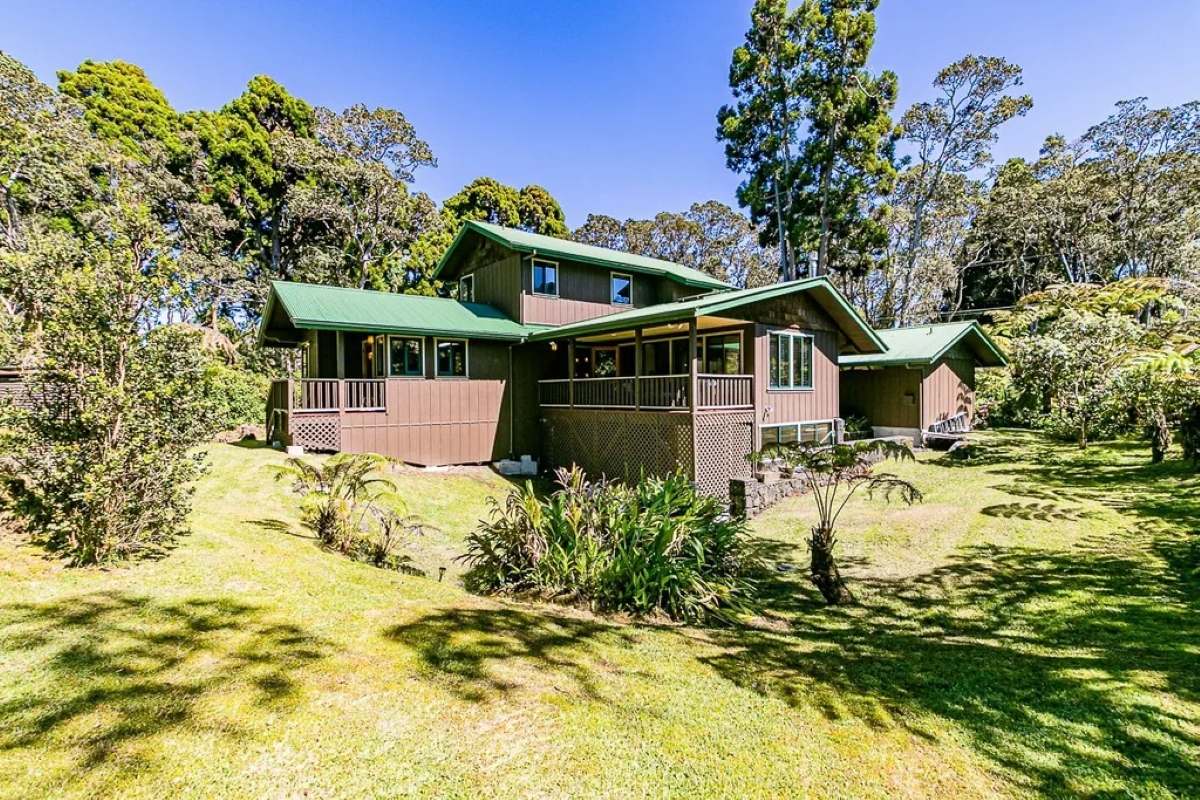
[
  {"x": 405, "y": 357},
  {"x": 451, "y": 358},
  {"x": 622, "y": 289},
  {"x": 797, "y": 432},
  {"x": 378, "y": 365},
  {"x": 545, "y": 277},
  {"x": 722, "y": 354},
  {"x": 791, "y": 360},
  {"x": 466, "y": 289}
]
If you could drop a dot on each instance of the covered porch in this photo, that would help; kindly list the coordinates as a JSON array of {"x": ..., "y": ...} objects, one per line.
[{"x": 701, "y": 364}]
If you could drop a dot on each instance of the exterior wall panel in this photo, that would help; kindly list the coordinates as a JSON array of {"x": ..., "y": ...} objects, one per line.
[
  {"x": 881, "y": 395},
  {"x": 948, "y": 389}
]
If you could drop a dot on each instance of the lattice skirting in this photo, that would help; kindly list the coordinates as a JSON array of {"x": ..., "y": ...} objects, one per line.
[
  {"x": 723, "y": 440},
  {"x": 619, "y": 444},
  {"x": 315, "y": 431}
]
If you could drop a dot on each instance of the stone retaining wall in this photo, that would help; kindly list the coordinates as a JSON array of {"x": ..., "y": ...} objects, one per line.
[{"x": 748, "y": 498}]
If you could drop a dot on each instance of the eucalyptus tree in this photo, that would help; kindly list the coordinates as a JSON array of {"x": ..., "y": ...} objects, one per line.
[{"x": 353, "y": 192}]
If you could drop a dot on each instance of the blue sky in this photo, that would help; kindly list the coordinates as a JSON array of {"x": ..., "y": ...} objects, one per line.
[{"x": 609, "y": 105}]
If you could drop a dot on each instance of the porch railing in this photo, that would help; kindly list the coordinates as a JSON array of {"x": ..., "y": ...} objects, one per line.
[
  {"x": 320, "y": 395},
  {"x": 650, "y": 392}
]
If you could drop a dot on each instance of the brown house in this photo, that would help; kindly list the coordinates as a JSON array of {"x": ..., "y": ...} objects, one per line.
[
  {"x": 924, "y": 381},
  {"x": 566, "y": 352}
]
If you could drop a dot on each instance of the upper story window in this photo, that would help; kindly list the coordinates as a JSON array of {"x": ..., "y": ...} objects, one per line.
[
  {"x": 466, "y": 289},
  {"x": 622, "y": 289},
  {"x": 405, "y": 357},
  {"x": 791, "y": 360},
  {"x": 451, "y": 358},
  {"x": 545, "y": 277}
]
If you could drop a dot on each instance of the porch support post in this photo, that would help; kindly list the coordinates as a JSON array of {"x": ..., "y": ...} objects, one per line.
[
  {"x": 637, "y": 369},
  {"x": 571, "y": 372},
  {"x": 341, "y": 355},
  {"x": 693, "y": 367}
]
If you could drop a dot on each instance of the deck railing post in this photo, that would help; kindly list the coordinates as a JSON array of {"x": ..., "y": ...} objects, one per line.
[
  {"x": 637, "y": 369},
  {"x": 693, "y": 367},
  {"x": 571, "y": 373}
]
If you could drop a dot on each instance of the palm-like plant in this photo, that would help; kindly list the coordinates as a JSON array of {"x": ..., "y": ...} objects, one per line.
[
  {"x": 338, "y": 494},
  {"x": 834, "y": 474}
]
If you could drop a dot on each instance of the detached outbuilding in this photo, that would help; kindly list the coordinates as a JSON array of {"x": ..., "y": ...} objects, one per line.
[{"x": 923, "y": 382}]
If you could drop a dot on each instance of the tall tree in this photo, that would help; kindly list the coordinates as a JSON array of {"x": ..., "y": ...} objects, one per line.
[
  {"x": 710, "y": 237},
  {"x": 761, "y": 128},
  {"x": 487, "y": 200},
  {"x": 847, "y": 155},
  {"x": 951, "y": 138},
  {"x": 122, "y": 105},
  {"x": 247, "y": 178},
  {"x": 354, "y": 190}
]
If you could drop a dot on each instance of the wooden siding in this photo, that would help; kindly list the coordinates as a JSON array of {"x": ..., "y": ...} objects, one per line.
[
  {"x": 880, "y": 396},
  {"x": 804, "y": 316},
  {"x": 499, "y": 285},
  {"x": 948, "y": 388},
  {"x": 584, "y": 292}
]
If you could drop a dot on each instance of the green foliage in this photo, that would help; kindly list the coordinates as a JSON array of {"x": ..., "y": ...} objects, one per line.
[
  {"x": 811, "y": 129},
  {"x": 834, "y": 474},
  {"x": 122, "y": 105},
  {"x": 658, "y": 547},
  {"x": 856, "y": 426},
  {"x": 338, "y": 494},
  {"x": 237, "y": 395},
  {"x": 1189, "y": 435},
  {"x": 710, "y": 237}
]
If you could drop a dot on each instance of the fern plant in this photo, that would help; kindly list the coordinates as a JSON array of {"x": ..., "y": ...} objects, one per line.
[{"x": 338, "y": 494}]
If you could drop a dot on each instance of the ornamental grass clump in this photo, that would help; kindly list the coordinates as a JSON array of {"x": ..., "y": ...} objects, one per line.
[{"x": 658, "y": 547}]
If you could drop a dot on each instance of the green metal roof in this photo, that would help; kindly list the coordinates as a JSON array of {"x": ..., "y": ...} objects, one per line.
[
  {"x": 856, "y": 330},
  {"x": 551, "y": 247},
  {"x": 925, "y": 344},
  {"x": 333, "y": 308}
]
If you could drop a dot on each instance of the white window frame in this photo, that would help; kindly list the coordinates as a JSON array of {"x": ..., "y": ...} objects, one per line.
[
  {"x": 792, "y": 336},
  {"x": 421, "y": 353},
  {"x": 798, "y": 427},
  {"x": 612, "y": 276},
  {"x": 464, "y": 281},
  {"x": 466, "y": 359},
  {"x": 533, "y": 263}
]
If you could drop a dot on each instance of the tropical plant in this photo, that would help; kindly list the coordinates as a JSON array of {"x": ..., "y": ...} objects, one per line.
[
  {"x": 657, "y": 547},
  {"x": 834, "y": 474},
  {"x": 338, "y": 494}
]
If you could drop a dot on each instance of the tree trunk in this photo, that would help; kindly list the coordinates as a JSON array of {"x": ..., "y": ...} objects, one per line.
[
  {"x": 824, "y": 570},
  {"x": 1160, "y": 438}
]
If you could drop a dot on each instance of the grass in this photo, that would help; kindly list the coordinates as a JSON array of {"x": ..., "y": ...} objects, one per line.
[{"x": 1028, "y": 629}]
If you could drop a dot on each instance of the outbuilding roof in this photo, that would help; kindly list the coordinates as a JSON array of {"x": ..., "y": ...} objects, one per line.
[
  {"x": 925, "y": 344},
  {"x": 317, "y": 307},
  {"x": 551, "y": 247},
  {"x": 822, "y": 291}
]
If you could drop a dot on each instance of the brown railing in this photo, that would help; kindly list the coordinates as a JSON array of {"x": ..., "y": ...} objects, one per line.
[
  {"x": 605, "y": 393},
  {"x": 650, "y": 392},
  {"x": 366, "y": 395},
  {"x": 664, "y": 391},
  {"x": 555, "y": 392},
  {"x": 724, "y": 391},
  {"x": 317, "y": 395}
]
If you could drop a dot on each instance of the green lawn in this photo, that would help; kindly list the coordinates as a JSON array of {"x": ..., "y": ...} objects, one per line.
[{"x": 1029, "y": 629}]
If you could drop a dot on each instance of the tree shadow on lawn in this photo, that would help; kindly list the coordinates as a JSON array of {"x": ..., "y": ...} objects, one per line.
[
  {"x": 121, "y": 668},
  {"x": 1076, "y": 671},
  {"x": 481, "y": 653}
]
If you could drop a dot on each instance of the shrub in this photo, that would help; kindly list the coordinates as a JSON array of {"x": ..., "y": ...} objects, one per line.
[
  {"x": 657, "y": 547},
  {"x": 351, "y": 509},
  {"x": 103, "y": 453},
  {"x": 238, "y": 397}
]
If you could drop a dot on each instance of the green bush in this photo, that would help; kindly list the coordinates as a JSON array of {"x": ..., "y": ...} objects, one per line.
[
  {"x": 238, "y": 397},
  {"x": 657, "y": 547}
]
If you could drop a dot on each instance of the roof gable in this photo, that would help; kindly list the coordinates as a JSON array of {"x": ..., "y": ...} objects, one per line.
[
  {"x": 534, "y": 243},
  {"x": 925, "y": 344},
  {"x": 860, "y": 335}
]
